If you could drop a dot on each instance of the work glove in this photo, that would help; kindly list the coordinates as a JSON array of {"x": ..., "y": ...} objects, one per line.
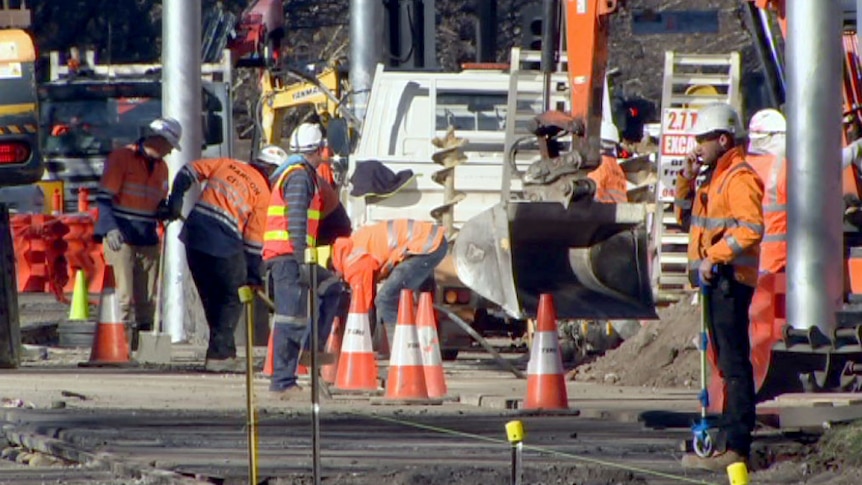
[
  {"x": 175, "y": 206},
  {"x": 163, "y": 212},
  {"x": 114, "y": 239}
]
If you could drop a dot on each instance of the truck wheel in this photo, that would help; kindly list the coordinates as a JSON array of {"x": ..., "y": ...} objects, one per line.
[{"x": 449, "y": 355}]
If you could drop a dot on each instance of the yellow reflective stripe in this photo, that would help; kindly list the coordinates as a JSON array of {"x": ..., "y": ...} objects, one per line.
[
  {"x": 314, "y": 214},
  {"x": 276, "y": 236},
  {"x": 276, "y": 210}
]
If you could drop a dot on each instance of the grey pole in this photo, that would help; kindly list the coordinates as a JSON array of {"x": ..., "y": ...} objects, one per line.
[
  {"x": 815, "y": 235},
  {"x": 366, "y": 42},
  {"x": 181, "y": 99}
]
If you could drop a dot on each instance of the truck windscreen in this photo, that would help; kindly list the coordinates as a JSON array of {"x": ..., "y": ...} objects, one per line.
[{"x": 91, "y": 126}]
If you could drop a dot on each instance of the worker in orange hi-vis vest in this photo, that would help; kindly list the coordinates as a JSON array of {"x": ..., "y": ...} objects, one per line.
[
  {"x": 611, "y": 183},
  {"x": 400, "y": 253},
  {"x": 131, "y": 200},
  {"x": 223, "y": 236},
  {"x": 724, "y": 217}
]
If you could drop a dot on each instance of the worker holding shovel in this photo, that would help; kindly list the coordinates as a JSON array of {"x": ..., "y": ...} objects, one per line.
[{"x": 223, "y": 236}]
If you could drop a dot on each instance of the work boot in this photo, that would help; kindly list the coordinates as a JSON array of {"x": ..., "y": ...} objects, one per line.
[
  {"x": 323, "y": 358},
  {"x": 292, "y": 393},
  {"x": 716, "y": 463},
  {"x": 228, "y": 365}
]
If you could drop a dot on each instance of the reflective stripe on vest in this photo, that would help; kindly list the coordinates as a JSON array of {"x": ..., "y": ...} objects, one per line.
[{"x": 276, "y": 238}]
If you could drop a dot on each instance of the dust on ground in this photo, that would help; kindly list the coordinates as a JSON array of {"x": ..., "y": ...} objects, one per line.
[
  {"x": 435, "y": 475},
  {"x": 662, "y": 354}
]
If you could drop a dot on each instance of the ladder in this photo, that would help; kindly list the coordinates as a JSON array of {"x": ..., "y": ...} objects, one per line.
[{"x": 690, "y": 81}]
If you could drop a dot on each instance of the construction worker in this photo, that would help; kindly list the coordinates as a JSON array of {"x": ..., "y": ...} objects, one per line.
[
  {"x": 401, "y": 253},
  {"x": 766, "y": 154},
  {"x": 292, "y": 224},
  {"x": 725, "y": 221},
  {"x": 611, "y": 183},
  {"x": 223, "y": 236},
  {"x": 131, "y": 199}
]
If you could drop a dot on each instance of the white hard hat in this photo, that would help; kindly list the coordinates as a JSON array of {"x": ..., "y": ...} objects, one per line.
[
  {"x": 169, "y": 129},
  {"x": 767, "y": 122},
  {"x": 717, "y": 117},
  {"x": 272, "y": 155},
  {"x": 610, "y": 132},
  {"x": 307, "y": 137}
]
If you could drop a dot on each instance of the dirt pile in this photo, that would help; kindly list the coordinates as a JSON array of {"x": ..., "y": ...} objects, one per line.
[{"x": 662, "y": 354}]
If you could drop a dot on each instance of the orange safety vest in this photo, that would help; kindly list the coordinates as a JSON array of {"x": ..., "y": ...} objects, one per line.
[
  {"x": 725, "y": 216},
  {"x": 772, "y": 170},
  {"x": 276, "y": 238},
  {"x": 610, "y": 181},
  {"x": 391, "y": 241},
  {"x": 234, "y": 194}
]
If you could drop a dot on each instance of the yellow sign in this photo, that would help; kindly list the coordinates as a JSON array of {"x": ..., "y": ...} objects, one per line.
[{"x": 49, "y": 187}]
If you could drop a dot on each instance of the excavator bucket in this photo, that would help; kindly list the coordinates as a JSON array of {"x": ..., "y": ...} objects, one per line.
[{"x": 591, "y": 256}]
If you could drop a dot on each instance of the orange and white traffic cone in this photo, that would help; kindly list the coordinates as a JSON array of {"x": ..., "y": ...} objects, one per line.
[
  {"x": 406, "y": 379},
  {"x": 333, "y": 346},
  {"x": 357, "y": 366},
  {"x": 546, "y": 385},
  {"x": 110, "y": 346},
  {"x": 429, "y": 342}
]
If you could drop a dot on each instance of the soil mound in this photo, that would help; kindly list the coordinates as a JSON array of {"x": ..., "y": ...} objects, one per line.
[{"x": 662, "y": 354}]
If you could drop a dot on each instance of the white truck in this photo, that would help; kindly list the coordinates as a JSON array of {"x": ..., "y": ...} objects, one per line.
[{"x": 491, "y": 109}]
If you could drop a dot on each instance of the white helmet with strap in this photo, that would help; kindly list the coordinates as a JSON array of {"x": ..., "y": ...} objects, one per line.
[
  {"x": 271, "y": 155},
  {"x": 169, "y": 129},
  {"x": 307, "y": 137},
  {"x": 718, "y": 117}
]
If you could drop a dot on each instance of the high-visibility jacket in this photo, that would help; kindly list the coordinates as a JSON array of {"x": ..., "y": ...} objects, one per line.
[
  {"x": 276, "y": 237},
  {"x": 130, "y": 190},
  {"x": 724, "y": 216},
  {"x": 376, "y": 250},
  {"x": 772, "y": 170},
  {"x": 230, "y": 214},
  {"x": 610, "y": 181}
]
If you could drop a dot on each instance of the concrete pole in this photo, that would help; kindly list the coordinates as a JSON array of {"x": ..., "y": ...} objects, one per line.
[
  {"x": 366, "y": 42},
  {"x": 181, "y": 99},
  {"x": 815, "y": 235}
]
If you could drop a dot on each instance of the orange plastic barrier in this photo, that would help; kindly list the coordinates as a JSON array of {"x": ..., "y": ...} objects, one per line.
[{"x": 39, "y": 253}]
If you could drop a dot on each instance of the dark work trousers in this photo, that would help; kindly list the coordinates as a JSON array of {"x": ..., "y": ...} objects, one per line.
[
  {"x": 415, "y": 273},
  {"x": 218, "y": 280},
  {"x": 290, "y": 329},
  {"x": 728, "y": 332}
]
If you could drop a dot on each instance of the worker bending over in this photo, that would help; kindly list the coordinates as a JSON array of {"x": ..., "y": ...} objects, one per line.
[
  {"x": 293, "y": 221},
  {"x": 611, "y": 183},
  {"x": 131, "y": 200},
  {"x": 724, "y": 217},
  {"x": 223, "y": 236},
  {"x": 401, "y": 253}
]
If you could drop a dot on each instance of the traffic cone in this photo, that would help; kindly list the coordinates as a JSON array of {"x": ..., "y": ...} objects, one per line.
[
  {"x": 109, "y": 343},
  {"x": 546, "y": 386},
  {"x": 357, "y": 367},
  {"x": 80, "y": 309},
  {"x": 267, "y": 362},
  {"x": 333, "y": 346},
  {"x": 429, "y": 342},
  {"x": 406, "y": 379}
]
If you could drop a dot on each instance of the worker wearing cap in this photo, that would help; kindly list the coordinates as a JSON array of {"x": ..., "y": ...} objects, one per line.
[
  {"x": 725, "y": 221},
  {"x": 611, "y": 183},
  {"x": 400, "y": 253},
  {"x": 223, "y": 236},
  {"x": 293, "y": 224},
  {"x": 131, "y": 197}
]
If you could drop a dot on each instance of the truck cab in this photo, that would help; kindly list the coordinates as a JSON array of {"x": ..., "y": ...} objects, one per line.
[{"x": 87, "y": 113}]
